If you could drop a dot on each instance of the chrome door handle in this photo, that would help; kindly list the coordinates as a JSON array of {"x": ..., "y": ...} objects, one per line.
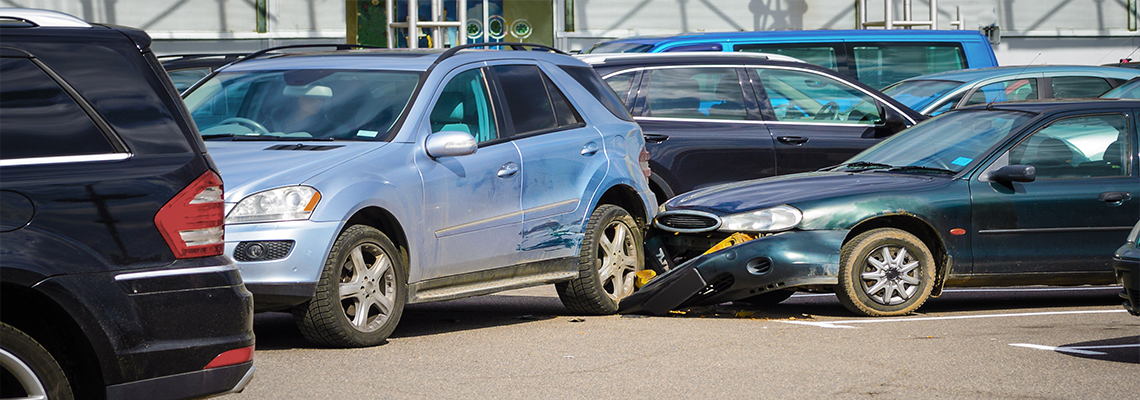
[
  {"x": 796, "y": 140},
  {"x": 508, "y": 170},
  {"x": 655, "y": 137},
  {"x": 590, "y": 149}
]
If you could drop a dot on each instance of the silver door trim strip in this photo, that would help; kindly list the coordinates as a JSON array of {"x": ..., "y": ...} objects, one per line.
[
  {"x": 64, "y": 159},
  {"x": 174, "y": 272},
  {"x": 1055, "y": 230}
]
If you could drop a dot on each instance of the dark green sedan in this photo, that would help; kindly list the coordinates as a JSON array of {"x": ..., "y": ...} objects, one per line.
[{"x": 1021, "y": 193}]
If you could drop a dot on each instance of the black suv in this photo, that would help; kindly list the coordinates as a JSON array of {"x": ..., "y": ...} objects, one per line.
[
  {"x": 711, "y": 118},
  {"x": 112, "y": 279}
]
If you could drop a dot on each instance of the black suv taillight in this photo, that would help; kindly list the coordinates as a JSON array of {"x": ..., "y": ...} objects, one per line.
[{"x": 193, "y": 222}]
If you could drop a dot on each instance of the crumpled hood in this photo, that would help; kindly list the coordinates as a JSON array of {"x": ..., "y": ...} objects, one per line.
[
  {"x": 248, "y": 167},
  {"x": 795, "y": 190}
]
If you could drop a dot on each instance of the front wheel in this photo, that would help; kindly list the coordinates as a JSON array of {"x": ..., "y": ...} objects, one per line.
[
  {"x": 885, "y": 272},
  {"x": 610, "y": 258},
  {"x": 361, "y": 294},
  {"x": 29, "y": 370}
]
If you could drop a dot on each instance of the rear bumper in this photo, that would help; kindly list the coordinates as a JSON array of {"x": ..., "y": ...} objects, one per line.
[
  {"x": 1128, "y": 276},
  {"x": 782, "y": 261},
  {"x": 228, "y": 379}
]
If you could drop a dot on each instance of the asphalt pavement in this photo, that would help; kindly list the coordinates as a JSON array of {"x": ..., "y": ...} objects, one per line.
[{"x": 1023, "y": 343}]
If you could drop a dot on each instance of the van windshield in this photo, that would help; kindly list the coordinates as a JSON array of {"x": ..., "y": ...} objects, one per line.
[{"x": 301, "y": 104}]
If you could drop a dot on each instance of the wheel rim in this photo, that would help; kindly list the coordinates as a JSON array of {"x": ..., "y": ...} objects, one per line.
[
  {"x": 24, "y": 375},
  {"x": 891, "y": 275},
  {"x": 367, "y": 287},
  {"x": 617, "y": 258}
]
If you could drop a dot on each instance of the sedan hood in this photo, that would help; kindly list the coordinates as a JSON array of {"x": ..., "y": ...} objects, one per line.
[
  {"x": 250, "y": 167},
  {"x": 795, "y": 189}
]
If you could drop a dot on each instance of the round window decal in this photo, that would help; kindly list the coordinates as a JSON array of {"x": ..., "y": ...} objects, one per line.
[
  {"x": 474, "y": 29},
  {"x": 495, "y": 27},
  {"x": 521, "y": 29}
]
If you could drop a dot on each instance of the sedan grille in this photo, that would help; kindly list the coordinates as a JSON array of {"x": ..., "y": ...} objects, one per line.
[{"x": 685, "y": 221}]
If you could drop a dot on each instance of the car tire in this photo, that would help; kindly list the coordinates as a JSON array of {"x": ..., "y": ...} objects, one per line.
[
  {"x": 29, "y": 369},
  {"x": 363, "y": 268},
  {"x": 770, "y": 298},
  {"x": 608, "y": 263},
  {"x": 885, "y": 272}
]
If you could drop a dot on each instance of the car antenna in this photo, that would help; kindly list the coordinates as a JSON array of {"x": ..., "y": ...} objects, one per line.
[
  {"x": 1126, "y": 40},
  {"x": 990, "y": 105}
]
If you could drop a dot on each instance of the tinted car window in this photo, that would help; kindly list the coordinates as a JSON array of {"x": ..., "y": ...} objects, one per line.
[
  {"x": 703, "y": 93},
  {"x": 1086, "y": 146},
  {"x": 186, "y": 77},
  {"x": 803, "y": 96},
  {"x": 621, "y": 83},
  {"x": 882, "y": 65},
  {"x": 1129, "y": 90},
  {"x": 593, "y": 83},
  {"x": 1078, "y": 86},
  {"x": 563, "y": 111},
  {"x": 529, "y": 112},
  {"x": 1017, "y": 89},
  {"x": 40, "y": 119},
  {"x": 465, "y": 106},
  {"x": 819, "y": 55}
]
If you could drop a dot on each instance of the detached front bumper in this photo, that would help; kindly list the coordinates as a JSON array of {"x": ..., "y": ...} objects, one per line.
[{"x": 782, "y": 261}]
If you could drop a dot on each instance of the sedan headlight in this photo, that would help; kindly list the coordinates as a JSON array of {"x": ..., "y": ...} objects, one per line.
[
  {"x": 281, "y": 204},
  {"x": 775, "y": 219}
]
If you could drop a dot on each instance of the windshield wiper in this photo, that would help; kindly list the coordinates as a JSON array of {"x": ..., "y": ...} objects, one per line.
[
  {"x": 864, "y": 165},
  {"x": 923, "y": 168},
  {"x": 209, "y": 136},
  {"x": 271, "y": 138}
]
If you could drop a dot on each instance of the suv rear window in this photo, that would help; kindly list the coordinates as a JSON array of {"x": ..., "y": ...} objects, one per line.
[
  {"x": 40, "y": 119},
  {"x": 593, "y": 83},
  {"x": 531, "y": 113}
]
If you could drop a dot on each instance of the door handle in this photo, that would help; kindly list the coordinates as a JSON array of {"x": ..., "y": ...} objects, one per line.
[
  {"x": 655, "y": 137},
  {"x": 796, "y": 140},
  {"x": 1114, "y": 198},
  {"x": 508, "y": 170},
  {"x": 589, "y": 149}
]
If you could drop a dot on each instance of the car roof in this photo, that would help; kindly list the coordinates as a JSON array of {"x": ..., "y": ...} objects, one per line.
[
  {"x": 815, "y": 35},
  {"x": 392, "y": 59},
  {"x": 976, "y": 74},
  {"x": 608, "y": 59},
  {"x": 1056, "y": 105}
]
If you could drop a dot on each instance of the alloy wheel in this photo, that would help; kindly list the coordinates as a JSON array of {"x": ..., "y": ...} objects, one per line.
[
  {"x": 617, "y": 258},
  {"x": 890, "y": 275},
  {"x": 367, "y": 287}
]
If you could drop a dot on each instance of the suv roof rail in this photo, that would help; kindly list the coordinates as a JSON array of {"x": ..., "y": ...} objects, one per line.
[
  {"x": 43, "y": 18},
  {"x": 513, "y": 45},
  {"x": 600, "y": 58},
  {"x": 341, "y": 46}
]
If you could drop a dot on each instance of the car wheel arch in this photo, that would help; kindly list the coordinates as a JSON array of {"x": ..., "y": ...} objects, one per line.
[
  {"x": 660, "y": 188},
  {"x": 385, "y": 222},
  {"x": 626, "y": 197},
  {"x": 913, "y": 225},
  {"x": 49, "y": 323}
]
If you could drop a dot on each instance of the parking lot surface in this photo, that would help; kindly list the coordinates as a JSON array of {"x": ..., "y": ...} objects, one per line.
[{"x": 1026, "y": 343}]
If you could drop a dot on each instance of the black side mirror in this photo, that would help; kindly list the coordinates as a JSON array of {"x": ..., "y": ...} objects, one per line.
[
  {"x": 1012, "y": 173},
  {"x": 890, "y": 122}
]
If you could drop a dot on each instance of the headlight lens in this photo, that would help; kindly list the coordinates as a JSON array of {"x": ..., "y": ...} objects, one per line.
[
  {"x": 282, "y": 204},
  {"x": 775, "y": 219}
]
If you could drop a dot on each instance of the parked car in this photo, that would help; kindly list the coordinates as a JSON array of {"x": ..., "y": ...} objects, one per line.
[
  {"x": 112, "y": 279},
  {"x": 363, "y": 180},
  {"x": 875, "y": 57},
  {"x": 937, "y": 93},
  {"x": 1127, "y": 90},
  {"x": 1126, "y": 263},
  {"x": 187, "y": 69},
  {"x": 711, "y": 118},
  {"x": 1019, "y": 193}
]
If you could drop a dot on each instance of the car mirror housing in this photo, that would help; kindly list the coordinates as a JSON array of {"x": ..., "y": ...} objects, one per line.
[
  {"x": 450, "y": 144},
  {"x": 1012, "y": 173}
]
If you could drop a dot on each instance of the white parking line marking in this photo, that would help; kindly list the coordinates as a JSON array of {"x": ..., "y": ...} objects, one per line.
[
  {"x": 841, "y": 324},
  {"x": 1059, "y": 349}
]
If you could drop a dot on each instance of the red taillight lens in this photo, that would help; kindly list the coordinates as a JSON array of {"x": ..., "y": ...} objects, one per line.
[
  {"x": 193, "y": 221},
  {"x": 643, "y": 159},
  {"x": 235, "y": 356}
]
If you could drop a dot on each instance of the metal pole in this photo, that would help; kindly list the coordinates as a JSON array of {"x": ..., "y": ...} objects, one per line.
[
  {"x": 390, "y": 13},
  {"x": 461, "y": 16},
  {"x": 413, "y": 20},
  {"x": 861, "y": 24},
  {"x": 486, "y": 21},
  {"x": 435, "y": 11},
  {"x": 888, "y": 18},
  {"x": 933, "y": 15},
  {"x": 906, "y": 12}
]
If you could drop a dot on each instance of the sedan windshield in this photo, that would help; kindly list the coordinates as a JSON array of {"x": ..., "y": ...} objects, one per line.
[
  {"x": 301, "y": 104},
  {"x": 918, "y": 94},
  {"x": 1129, "y": 90},
  {"x": 947, "y": 143}
]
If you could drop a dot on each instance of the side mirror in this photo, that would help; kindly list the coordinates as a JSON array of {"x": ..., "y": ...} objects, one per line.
[
  {"x": 1012, "y": 173},
  {"x": 450, "y": 144},
  {"x": 892, "y": 120}
]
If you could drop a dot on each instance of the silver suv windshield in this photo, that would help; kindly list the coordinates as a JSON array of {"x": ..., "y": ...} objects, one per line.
[
  {"x": 305, "y": 104},
  {"x": 945, "y": 144}
]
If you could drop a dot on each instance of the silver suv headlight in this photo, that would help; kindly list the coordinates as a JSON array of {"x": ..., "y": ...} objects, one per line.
[
  {"x": 775, "y": 219},
  {"x": 281, "y": 204}
]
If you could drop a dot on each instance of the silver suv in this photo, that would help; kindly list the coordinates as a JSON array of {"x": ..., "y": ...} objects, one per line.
[{"x": 358, "y": 181}]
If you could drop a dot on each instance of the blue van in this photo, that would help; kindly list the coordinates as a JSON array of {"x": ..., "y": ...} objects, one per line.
[{"x": 877, "y": 58}]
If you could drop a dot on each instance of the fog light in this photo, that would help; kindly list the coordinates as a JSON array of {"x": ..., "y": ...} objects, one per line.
[
  {"x": 263, "y": 250},
  {"x": 255, "y": 251}
]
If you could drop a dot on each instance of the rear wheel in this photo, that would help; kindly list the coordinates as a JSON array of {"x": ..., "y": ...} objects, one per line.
[
  {"x": 885, "y": 272},
  {"x": 29, "y": 370},
  {"x": 361, "y": 294},
  {"x": 610, "y": 258}
]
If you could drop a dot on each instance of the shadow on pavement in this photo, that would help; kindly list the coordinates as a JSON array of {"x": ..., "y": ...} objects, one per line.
[{"x": 1124, "y": 349}]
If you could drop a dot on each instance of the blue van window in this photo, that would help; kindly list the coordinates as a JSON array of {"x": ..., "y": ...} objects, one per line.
[
  {"x": 694, "y": 47},
  {"x": 702, "y": 93},
  {"x": 821, "y": 55},
  {"x": 882, "y": 65}
]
